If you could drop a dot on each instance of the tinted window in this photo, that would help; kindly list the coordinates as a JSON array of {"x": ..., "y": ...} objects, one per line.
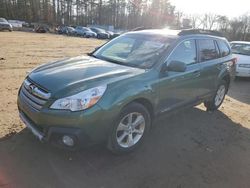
[
  {"x": 207, "y": 50},
  {"x": 224, "y": 48},
  {"x": 185, "y": 52}
]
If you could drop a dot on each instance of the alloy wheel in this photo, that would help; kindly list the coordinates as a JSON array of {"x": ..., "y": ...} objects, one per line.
[{"x": 130, "y": 129}]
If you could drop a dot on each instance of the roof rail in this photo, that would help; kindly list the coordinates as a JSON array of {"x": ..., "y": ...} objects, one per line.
[{"x": 200, "y": 31}]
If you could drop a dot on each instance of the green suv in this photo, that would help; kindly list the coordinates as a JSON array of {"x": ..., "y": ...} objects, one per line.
[{"x": 112, "y": 95}]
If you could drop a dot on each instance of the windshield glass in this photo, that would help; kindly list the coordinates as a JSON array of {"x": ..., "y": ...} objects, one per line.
[
  {"x": 243, "y": 49},
  {"x": 134, "y": 50}
]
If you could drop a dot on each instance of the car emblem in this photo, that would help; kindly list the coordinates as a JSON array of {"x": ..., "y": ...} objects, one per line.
[{"x": 31, "y": 88}]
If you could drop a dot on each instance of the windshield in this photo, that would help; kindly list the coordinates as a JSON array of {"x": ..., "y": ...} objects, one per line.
[
  {"x": 243, "y": 49},
  {"x": 3, "y": 20},
  {"x": 134, "y": 50}
]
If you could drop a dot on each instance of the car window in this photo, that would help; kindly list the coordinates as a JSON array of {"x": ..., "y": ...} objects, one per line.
[
  {"x": 185, "y": 52},
  {"x": 207, "y": 50},
  {"x": 224, "y": 48},
  {"x": 243, "y": 49}
]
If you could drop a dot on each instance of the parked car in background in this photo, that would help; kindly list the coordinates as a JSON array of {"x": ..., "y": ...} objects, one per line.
[
  {"x": 113, "y": 95},
  {"x": 5, "y": 25},
  {"x": 241, "y": 50},
  {"x": 101, "y": 34},
  {"x": 62, "y": 30},
  {"x": 71, "y": 31},
  {"x": 41, "y": 29},
  {"x": 85, "y": 32},
  {"x": 66, "y": 30},
  {"x": 16, "y": 23},
  {"x": 116, "y": 34},
  {"x": 111, "y": 34}
]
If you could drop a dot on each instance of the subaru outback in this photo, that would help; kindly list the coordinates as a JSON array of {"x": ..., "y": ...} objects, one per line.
[{"x": 112, "y": 95}]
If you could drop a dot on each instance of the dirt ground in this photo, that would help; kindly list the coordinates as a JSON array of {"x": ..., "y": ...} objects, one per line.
[{"x": 192, "y": 148}]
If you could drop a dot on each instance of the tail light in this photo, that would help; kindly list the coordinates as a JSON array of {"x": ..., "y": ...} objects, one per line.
[{"x": 234, "y": 61}]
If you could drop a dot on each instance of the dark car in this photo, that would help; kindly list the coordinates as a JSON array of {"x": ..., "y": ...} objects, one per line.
[
  {"x": 62, "y": 30},
  {"x": 5, "y": 25},
  {"x": 66, "y": 30},
  {"x": 112, "y": 95},
  {"x": 101, "y": 34},
  {"x": 41, "y": 29}
]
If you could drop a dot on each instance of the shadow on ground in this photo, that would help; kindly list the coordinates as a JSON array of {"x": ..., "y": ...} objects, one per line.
[
  {"x": 240, "y": 90},
  {"x": 192, "y": 148}
]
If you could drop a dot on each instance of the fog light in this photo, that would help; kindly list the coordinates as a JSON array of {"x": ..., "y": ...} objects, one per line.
[{"x": 67, "y": 140}]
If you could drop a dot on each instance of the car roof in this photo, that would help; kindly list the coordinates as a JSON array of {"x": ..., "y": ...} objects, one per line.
[
  {"x": 176, "y": 33},
  {"x": 240, "y": 42}
]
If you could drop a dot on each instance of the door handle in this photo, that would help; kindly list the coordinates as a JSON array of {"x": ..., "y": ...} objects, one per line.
[{"x": 197, "y": 73}]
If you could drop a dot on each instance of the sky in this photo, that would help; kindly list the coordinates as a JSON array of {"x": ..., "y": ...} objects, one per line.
[{"x": 230, "y": 8}]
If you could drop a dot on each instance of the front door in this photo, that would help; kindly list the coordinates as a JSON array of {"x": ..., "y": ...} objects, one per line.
[{"x": 180, "y": 88}]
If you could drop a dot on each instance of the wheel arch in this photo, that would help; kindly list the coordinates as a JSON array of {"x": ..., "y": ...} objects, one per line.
[
  {"x": 146, "y": 103},
  {"x": 227, "y": 79}
]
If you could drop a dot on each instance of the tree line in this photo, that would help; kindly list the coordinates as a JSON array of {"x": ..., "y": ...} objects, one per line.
[
  {"x": 122, "y": 14},
  {"x": 119, "y": 13}
]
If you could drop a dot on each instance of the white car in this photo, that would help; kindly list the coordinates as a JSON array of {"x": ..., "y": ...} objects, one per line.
[{"x": 241, "y": 49}]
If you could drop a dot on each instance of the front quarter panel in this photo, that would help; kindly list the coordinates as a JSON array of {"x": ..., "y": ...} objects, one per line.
[{"x": 121, "y": 93}]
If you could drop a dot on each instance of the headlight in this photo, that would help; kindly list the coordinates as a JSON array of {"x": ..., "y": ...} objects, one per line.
[{"x": 80, "y": 101}]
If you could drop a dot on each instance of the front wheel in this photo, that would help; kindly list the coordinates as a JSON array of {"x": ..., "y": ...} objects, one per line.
[
  {"x": 130, "y": 129},
  {"x": 218, "y": 98}
]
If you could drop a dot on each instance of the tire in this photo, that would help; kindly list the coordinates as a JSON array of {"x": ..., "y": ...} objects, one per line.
[
  {"x": 218, "y": 97},
  {"x": 126, "y": 137}
]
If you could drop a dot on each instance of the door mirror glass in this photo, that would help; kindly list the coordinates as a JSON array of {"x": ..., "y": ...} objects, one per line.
[{"x": 177, "y": 66}]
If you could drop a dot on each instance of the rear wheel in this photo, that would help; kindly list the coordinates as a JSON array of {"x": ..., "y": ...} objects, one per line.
[
  {"x": 218, "y": 98},
  {"x": 130, "y": 129}
]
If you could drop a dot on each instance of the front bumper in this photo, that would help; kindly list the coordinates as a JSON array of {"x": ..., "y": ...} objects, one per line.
[
  {"x": 5, "y": 27},
  {"x": 87, "y": 127}
]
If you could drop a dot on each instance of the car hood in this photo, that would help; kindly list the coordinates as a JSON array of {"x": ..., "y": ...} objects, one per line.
[
  {"x": 242, "y": 59},
  {"x": 73, "y": 75}
]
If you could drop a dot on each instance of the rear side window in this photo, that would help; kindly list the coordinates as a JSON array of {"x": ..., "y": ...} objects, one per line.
[
  {"x": 224, "y": 48},
  {"x": 185, "y": 52},
  {"x": 207, "y": 50}
]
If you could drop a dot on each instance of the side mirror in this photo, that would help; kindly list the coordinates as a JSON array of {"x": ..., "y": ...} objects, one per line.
[{"x": 176, "y": 66}]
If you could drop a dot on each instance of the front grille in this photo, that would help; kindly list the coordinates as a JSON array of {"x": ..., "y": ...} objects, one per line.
[{"x": 33, "y": 95}]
